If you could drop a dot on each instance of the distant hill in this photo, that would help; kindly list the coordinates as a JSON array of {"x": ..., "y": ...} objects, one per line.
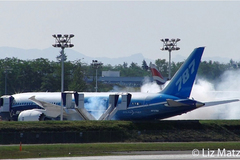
[
  {"x": 51, "y": 54},
  {"x": 180, "y": 58}
]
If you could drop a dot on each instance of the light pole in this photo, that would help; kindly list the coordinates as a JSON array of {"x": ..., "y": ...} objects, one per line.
[
  {"x": 170, "y": 45},
  {"x": 62, "y": 41},
  {"x": 95, "y": 64},
  {"x": 7, "y": 70}
]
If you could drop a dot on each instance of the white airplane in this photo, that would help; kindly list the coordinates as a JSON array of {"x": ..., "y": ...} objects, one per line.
[{"x": 171, "y": 101}]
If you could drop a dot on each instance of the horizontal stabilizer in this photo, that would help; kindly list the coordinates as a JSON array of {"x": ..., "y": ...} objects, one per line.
[
  {"x": 213, "y": 103},
  {"x": 172, "y": 103},
  {"x": 184, "y": 102}
]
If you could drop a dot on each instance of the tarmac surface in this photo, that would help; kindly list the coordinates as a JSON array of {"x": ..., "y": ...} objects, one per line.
[{"x": 146, "y": 155}]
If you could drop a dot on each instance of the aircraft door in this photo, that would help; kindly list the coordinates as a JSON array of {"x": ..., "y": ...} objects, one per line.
[
  {"x": 6, "y": 107},
  {"x": 6, "y": 103}
]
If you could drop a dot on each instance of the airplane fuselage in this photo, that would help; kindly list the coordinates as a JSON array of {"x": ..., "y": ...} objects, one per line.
[{"x": 143, "y": 106}]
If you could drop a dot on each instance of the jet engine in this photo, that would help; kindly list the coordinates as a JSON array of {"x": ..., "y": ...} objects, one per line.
[{"x": 31, "y": 115}]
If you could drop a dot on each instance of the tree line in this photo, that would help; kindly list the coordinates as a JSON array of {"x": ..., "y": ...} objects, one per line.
[{"x": 44, "y": 75}]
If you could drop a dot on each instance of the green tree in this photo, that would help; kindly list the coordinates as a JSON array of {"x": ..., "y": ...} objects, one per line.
[
  {"x": 144, "y": 65},
  {"x": 44, "y": 75},
  {"x": 162, "y": 66},
  {"x": 175, "y": 67},
  {"x": 77, "y": 80}
]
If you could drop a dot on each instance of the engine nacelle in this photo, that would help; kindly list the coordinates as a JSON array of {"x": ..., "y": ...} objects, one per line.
[{"x": 31, "y": 115}]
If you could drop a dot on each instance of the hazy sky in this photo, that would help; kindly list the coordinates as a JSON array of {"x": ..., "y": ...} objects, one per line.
[{"x": 117, "y": 29}]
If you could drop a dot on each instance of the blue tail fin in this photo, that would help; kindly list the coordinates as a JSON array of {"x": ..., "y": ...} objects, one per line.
[{"x": 182, "y": 82}]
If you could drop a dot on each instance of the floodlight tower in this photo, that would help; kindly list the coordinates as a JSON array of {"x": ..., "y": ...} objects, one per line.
[
  {"x": 95, "y": 64},
  {"x": 170, "y": 45},
  {"x": 7, "y": 70},
  {"x": 62, "y": 41}
]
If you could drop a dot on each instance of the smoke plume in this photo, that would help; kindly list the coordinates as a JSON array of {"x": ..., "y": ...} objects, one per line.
[
  {"x": 96, "y": 106},
  {"x": 226, "y": 88}
]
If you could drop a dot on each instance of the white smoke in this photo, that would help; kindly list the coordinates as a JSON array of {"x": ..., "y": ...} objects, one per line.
[
  {"x": 96, "y": 106},
  {"x": 124, "y": 89},
  {"x": 148, "y": 86},
  {"x": 227, "y": 88},
  {"x": 231, "y": 89},
  {"x": 151, "y": 87}
]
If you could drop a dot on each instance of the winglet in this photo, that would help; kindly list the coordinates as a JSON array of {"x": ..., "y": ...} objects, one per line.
[
  {"x": 182, "y": 82},
  {"x": 213, "y": 103}
]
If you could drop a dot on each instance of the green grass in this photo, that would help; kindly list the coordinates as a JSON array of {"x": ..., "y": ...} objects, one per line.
[
  {"x": 93, "y": 149},
  {"x": 174, "y": 132},
  {"x": 121, "y": 131},
  {"x": 114, "y": 125},
  {"x": 64, "y": 125}
]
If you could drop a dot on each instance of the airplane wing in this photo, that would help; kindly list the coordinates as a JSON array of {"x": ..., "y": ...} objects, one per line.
[
  {"x": 213, "y": 103},
  {"x": 52, "y": 110}
]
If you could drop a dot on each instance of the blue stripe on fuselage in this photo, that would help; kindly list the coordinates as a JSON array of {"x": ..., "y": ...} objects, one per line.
[{"x": 151, "y": 112}]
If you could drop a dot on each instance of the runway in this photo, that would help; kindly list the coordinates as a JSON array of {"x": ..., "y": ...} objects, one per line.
[{"x": 145, "y": 155}]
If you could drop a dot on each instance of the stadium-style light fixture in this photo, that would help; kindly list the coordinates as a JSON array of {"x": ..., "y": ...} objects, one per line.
[
  {"x": 95, "y": 64},
  {"x": 62, "y": 41},
  {"x": 59, "y": 35},
  {"x": 170, "y": 45}
]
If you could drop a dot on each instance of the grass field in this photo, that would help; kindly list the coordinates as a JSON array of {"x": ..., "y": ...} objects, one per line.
[
  {"x": 94, "y": 149},
  {"x": 154, "y": 136},
  {"x": 119, "y": 131},
  {"x": 115, "y": 125}
]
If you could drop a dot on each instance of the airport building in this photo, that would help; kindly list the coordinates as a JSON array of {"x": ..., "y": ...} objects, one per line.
[{"x": 113, "y": 77}]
